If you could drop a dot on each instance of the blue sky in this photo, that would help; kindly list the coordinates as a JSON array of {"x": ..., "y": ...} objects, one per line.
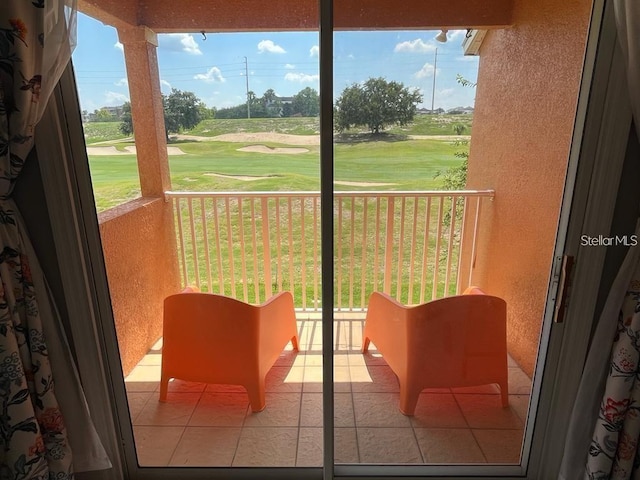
[{"x": 287, "y": 62}]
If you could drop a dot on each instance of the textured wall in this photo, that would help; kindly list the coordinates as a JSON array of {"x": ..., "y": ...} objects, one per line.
[
  {"x": 139, "y": 244},
  {"x": 524, "y": 113},
  {"x": 295, "y": 15}
]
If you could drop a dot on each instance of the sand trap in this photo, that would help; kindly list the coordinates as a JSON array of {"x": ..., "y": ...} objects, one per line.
[
  {"x": 265, "y": 149},
  {"x": 131, "y": 150},
  {"x": 244, "y": 178},
  {"x": 362, "y": 184},
  {"x": 268, "y": 137}
]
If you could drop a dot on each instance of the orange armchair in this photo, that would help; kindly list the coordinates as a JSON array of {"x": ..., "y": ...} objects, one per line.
[
  {"x": 458, "y": 341},
  {"x": 216, "y": 339}
]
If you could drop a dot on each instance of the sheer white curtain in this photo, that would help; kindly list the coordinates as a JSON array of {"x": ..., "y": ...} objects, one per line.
[
  {"x": 46, "y": 432},
  {"x": 604, "y": 432}
]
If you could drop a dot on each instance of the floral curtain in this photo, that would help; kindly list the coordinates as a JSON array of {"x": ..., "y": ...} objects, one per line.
[
  {"x": 36, "y": 441},
  {"x": 604, "y": 432}
]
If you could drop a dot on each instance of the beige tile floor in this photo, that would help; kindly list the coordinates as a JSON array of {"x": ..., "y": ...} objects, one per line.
[{"x": 212, "y": 425}]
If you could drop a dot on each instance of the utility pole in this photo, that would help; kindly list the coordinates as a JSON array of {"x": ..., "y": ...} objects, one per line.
[
  {"x": 246, "y": 75},
  {"x": 433, "y": 92}
]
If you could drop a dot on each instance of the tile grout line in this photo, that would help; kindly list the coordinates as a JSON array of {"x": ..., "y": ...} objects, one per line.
[
  {"x": 415, "y": 436},
  {"x": 184, "y": 427},
  {"x": 295, "y": 459},
  {"x": 455, "y": 398},
  {"x": 173, "y": 452}
]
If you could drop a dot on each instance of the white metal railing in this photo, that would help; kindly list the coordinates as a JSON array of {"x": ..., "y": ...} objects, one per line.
[{"x": 250, "y": 245}]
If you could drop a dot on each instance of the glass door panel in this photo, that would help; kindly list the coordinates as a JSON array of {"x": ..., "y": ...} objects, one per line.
[
  {"x": 423, "y": 372},
  {"x": 241, "y": 226}
]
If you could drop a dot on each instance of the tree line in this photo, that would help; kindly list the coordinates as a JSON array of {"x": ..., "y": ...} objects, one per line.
[
  {"x": 305, "y": 103},
  {"x": 375, "y": 104},
  {"x": 184, "y": 110}
]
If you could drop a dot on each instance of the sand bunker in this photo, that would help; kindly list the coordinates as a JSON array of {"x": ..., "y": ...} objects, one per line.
[
  {"x": 265, "y": 149},
  {"x": 268, "y": 137},
  {"x": 244, "y": 178},
  {"x": 131, "y": 150}
]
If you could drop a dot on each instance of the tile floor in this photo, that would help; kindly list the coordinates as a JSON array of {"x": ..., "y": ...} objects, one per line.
[{"x": 212, "y": 425}]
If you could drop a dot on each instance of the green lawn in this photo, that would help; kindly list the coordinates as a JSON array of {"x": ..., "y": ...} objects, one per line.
[
  {"x": 95, "y": 132},
  {"x": 406, "y": 165},
  {"x": 402, "y": 163}
]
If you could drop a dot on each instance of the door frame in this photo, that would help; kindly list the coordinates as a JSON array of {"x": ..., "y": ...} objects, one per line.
[{"x": 589, "y": 199}]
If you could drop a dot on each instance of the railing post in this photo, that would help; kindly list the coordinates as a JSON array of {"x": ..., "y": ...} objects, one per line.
[
  {"x": 194, "y": 243},
  {"x": 266, "y": 247},
  {"x": 388, "y": 249},
  {"x": 472, "y": 260},
  {"x": 463, "y": 239}
]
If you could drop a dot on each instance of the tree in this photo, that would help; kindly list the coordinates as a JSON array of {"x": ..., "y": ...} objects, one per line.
[
  {"x": 375, "y": 104},
  {"x": 206, "y": 113},
  {"x": 306, "y": 103},
  {"x": 182, "y": 110},
  {"x": 126, "y": 126},
  {"x": 104, "y": 115},
  {"x": 271, "y": 103}
]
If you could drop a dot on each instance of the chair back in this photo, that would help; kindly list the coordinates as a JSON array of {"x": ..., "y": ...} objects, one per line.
[
  {"x": 212, "y": 325},
  {"x": 458, "y": 337}
]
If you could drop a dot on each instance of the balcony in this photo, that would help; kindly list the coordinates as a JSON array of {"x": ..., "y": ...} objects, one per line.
[{"x": 416, "y": 246}]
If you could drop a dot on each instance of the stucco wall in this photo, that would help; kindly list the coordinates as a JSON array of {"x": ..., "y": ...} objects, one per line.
[
  {"x": 139, "y": 245},
  {"x": 526, "y": 96}
]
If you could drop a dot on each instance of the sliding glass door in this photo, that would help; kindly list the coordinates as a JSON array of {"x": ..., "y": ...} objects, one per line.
[{"x": 380, "y": 171}]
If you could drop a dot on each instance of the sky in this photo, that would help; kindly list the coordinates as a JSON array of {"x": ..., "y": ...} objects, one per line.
[{"x": 214, "y": 68}]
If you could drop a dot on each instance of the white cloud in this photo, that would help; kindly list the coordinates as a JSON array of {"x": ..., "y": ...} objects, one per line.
[
  {"x": 445, "y": 92},
  {"x": 213, "y": 75},
  {"x": 123, "y": 82},
  {"x": 164, "y": 83},
  {"x": 415, "y": 46},
  {"x": 270, "y": 47},
  {"x": 119, "y": 46},
  {"x": 114, "y": 98},
  {"x": 425, "y": 72},
  {"x": 288, "y": 66},
  {"x": 456, "y": 34},
  {"x": 179, "y": 42},
  {"x": 314, "y": 51},
  {"x": 301, "y": 77}
]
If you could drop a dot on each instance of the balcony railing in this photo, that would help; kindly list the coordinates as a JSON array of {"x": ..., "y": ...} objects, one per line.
[{"x": 250, "y": 245}]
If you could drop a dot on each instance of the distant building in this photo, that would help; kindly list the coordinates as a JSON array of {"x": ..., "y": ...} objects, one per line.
[
  {"x": 460, "y": 110},
  {"x": 427, "y": 111},
  {"x": 100, "y": 115}
]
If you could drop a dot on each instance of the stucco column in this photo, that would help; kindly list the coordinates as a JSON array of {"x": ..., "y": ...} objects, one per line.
[{"x": 140, "y": 45}]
